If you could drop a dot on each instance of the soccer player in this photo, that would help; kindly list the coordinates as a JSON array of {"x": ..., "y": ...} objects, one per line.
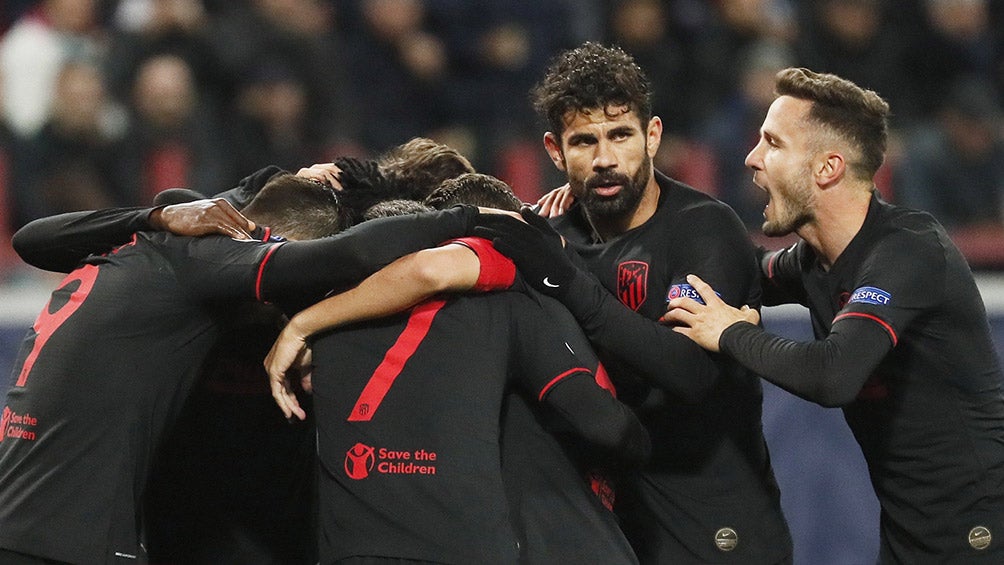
[
  {"x": 902, "y": 339},
  {"x": 555, "y": 516},
  {"x": 708, "y": 494},
  {"x": 109, "y": 360}
]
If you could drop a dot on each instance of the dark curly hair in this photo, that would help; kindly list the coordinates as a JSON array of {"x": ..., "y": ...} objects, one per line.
[{"x": 591, "y": 76}]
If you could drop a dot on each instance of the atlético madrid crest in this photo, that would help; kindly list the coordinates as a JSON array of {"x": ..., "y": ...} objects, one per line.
[{"x": 632, "y": 283}]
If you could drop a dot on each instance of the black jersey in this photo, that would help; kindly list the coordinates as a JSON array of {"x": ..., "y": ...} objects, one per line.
[
  {"x": 408, "y": 419},
  {"x": 930, "y": 416},
  {"x": 708, "y": 493},
  {"x": 111, "y": 357},
  {"x": 103, "y": 370},
  {"x": 560, "y": 491}
]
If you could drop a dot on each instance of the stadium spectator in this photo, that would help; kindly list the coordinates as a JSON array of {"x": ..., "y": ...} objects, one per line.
[
  {"x": 71, "y": 163},
  {"x": 953, "y": 167},
  {"x": 173, "y": 138},
  {"x": 34, "y": 50}
]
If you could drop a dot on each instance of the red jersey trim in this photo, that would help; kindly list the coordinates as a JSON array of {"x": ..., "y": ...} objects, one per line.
[
  {"x": 393, "y": 362},
  {"x": 498, "y": 272},
  {"x": 261, "y": 271},
  {"x": 603, "y": 379},
  {"x": 881, "y": 322},
  {"x": 770, "y": 265},
  {"x": 547, "y": 388}
]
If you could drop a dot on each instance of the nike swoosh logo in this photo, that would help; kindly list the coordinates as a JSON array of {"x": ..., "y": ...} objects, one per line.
[{"x": 548, "y": 283}]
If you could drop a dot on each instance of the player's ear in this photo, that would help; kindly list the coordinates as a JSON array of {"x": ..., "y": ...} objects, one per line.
[
  {"x": 653, "y": 136},
  {"x": 830, "y": 169},
  {"x": 553, "y": 145}
]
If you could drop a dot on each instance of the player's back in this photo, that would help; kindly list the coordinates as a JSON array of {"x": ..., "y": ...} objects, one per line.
[
  {"x": 100, "y": 375},
  {"x": 408, "y": 428}
]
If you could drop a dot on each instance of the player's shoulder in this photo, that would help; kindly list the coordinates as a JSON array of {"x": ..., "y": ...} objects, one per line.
[
  {"x": 695, "y": 206},
  {"x": 909, "y": 230}
]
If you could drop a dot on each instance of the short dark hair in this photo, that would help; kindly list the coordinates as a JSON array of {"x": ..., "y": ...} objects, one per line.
[
  {"x": 857, "y": 115},
  {"x": 297, "y": 208},
  {"x": 417, "y": 167},
  {"x": 395, "y": 207},
  {"x": 591, "y": 76},
  {"x": 474, "y": 189}
]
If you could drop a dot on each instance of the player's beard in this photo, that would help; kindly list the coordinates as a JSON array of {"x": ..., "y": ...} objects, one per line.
[
  {"x": 622, "y": 204},
  {"x": 791, "y": 201}
]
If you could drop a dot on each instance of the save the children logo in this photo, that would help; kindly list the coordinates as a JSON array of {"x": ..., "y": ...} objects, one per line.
[
  {"x": 362, "y": 459},
  {"x": 359, "y": 461},
  {"x": 17, "y": 426}
]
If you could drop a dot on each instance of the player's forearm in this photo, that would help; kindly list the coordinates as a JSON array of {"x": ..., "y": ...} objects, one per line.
[
  {"x": 614, "y": 435},
  {"x": 404, "y": 283},
  {"x": 829, "y": 372},
  {"x": 654, "y": 352},
  {"x": 312, "y": 268},
  {"x": 58, "y": 243},
  {"x": 780, "y": 278}
]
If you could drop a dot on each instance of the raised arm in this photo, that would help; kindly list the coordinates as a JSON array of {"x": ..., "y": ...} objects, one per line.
[
  {"x": 668, "y": 360},
  {"x": 395, "y": 288},
  {"x": 58, "y": 243}
]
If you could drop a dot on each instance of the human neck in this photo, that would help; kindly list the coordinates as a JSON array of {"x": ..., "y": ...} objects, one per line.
[{"x": 839, "y": 218}]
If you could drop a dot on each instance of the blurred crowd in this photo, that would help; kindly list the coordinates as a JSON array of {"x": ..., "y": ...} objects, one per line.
[{"x": 107, "y": 102}]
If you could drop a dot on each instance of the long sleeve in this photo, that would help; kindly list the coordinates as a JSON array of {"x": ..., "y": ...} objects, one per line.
[
  {"x": 666, "y": 359},
  {"x": 305, "y": 271},
  {"x": 611, "y": 429},
  {"x": 58, "y": 243},
  {"x": 829, "y": 372}
]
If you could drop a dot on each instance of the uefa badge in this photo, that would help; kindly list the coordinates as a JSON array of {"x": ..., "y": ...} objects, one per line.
[{"x": 726, "y": 539}]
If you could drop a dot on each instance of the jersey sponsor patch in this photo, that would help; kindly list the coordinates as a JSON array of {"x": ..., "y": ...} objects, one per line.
[
  {"x": 870, "y": 295},
  {"x": 17, "y": 426},
  {"x": 361, "y": 460}
]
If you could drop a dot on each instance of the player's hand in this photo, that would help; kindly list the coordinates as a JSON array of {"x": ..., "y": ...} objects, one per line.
[
  {"x": 359, "y": 174},
  {"x": 704, "y": 323},
  {"x": 202, "y": 217},
  {"x": 533, "y": 245},
  {"x": 290, "y": 349},
  {"x": 556, "y": 202},
  {"x": 513, "y": 215},
  {"x": 324, "y": 173}
]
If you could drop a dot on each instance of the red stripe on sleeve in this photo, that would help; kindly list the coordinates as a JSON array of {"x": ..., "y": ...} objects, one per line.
[
  {"x": 547, "y": 388},
  {"x": 393, "y": 362},
  {"x": 498, "y": 272},
  {"x": 261, "y": 271},
  {"x": 603, "y": 379},
  {"x": 770, "y": 265},
  {"x": 881, "y": 322}
]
